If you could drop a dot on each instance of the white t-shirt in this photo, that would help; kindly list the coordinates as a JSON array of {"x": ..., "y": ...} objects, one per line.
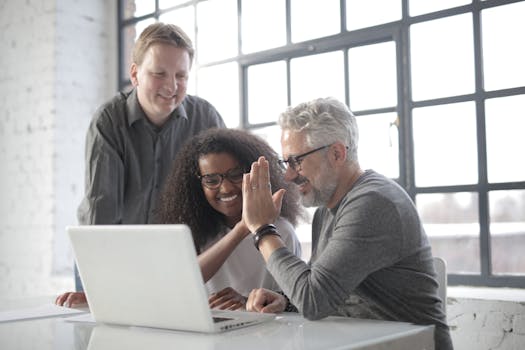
[{"x": 245, "y": 268}]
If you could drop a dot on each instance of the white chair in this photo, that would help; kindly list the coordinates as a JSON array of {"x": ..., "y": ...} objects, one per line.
[{"x": 441, "y": 270}]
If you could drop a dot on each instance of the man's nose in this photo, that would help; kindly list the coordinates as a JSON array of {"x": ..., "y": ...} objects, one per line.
[
  {"x": 290, "y": 174},
  {"x": 172, "y": 84}
]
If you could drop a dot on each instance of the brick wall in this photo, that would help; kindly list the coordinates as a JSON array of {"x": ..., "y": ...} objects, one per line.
[{"x": 57, "y": 64}]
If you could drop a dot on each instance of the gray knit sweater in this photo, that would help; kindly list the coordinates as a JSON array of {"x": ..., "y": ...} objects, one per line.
[{"x": 370, "y": 259}]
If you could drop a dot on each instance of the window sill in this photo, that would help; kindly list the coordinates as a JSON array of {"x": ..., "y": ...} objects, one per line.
[{"x": 485, "y": 293}]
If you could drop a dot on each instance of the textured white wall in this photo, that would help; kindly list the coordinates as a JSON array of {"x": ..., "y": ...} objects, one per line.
[
  {"x": 57, "y": 64},
  {"x": 483, "y": 324}
]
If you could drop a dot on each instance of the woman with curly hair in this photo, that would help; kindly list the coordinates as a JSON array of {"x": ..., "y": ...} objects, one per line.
[{"x": 204, "y": 191}]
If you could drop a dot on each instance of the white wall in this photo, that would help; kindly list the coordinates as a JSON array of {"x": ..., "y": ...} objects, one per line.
[
  {"x": 57, "y": 64},
  {"x": 486, "y": 318}
]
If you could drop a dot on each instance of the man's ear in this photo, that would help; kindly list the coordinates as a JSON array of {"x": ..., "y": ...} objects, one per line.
[
  {"x": 339, "y": 152},
  {"x": 133, "y": 73}
]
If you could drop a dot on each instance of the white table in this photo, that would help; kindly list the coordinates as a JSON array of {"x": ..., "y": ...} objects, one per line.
[{"x": 289, "y": 331}]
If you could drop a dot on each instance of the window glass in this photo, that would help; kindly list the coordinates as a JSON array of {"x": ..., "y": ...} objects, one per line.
[
  {"x": 507, "y": 231},
  {"x": 362, "y": 14},
  {"x": 503, "y": 35},
  {"x": 267, "y": 92},
  {"x": 137, "y": 8},
  {"x": 379, "y": 143},
  {"x": 164, "y": 4},
  {"x": 184, "y": 18},
  {"x": 419, "y": 7},
  {"x": 217, "y": 35},
  {"x": 220, "y": 86},
  {"x": 451, "y": 222},
  {"x": 372, "y": 76},
  {"x": 442, "y": 57},
  {"x": 257, "y": 34},
  {"x": 445, "y": 145},
  {"x": 313, "y": 19},
  {"x": 317, "y": 76},
  {"x": 505, "y": 128},
  {"x": 272, "y": 135},
  {"x": 191, "y": 89},
  {"x": 130, "y": 34}
]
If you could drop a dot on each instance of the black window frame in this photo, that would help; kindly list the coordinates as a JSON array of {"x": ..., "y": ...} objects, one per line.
[{"x": 399, "y": 33}]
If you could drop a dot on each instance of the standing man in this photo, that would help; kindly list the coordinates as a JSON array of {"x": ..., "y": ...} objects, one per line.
[
  {"x": 370, "y": 255},
  {"x": 133, "y": 138}
]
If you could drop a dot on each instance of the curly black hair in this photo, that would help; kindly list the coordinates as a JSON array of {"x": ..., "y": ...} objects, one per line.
[{"x": 182, "y": 199}]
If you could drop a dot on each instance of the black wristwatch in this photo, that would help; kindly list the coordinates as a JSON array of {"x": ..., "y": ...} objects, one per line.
[{"x": 289, "y": 306}]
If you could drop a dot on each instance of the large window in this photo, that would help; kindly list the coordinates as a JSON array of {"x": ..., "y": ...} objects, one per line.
[{"x": 438, "y": 88}]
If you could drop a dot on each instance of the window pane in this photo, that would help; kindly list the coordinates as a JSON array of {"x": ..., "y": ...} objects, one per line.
[
  {"x": 507, "y": 231},
  {"x": 217, "y": 35},
  {"x": 442, "y": 57},
  {"x": 317, "y": 76},
  {"x": 314, "y": 19},
  {"x": 255, "y": 15},
  {"x": 452, "y": 224},
  {"x": 372, "y": 75},
  {"x": 130, "y": 35},
  {"x": 445, "y": 146},
  {"x": 267, "y": 92},
  {"x": 418, "y": 7},
  {"x": 505, "y": 127},
  {"x": 184, "y": 18},
  {"x": 272, "y": 135},
  {"x": 137, "y": 8},
  {"x": 362, "y": 14},
  {"x": 503, "y": 33},
  {"x": 379, "y": 143},
  {"x": 163, "y": 4},
  {"x": 220, "y": 86}
]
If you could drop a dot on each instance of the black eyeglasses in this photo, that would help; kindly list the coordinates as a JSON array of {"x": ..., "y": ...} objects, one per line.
[
  {"x": 294, "y": 162},
  {"x": 214, "y": 181}
]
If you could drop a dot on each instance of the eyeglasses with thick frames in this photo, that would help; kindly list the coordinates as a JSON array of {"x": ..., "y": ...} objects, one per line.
[
  {"x": 294, "y": 162},
  {"x": 214, "y": 181}
]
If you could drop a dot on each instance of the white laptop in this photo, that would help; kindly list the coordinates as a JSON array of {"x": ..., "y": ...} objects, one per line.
[{"x": 148, "y": 275}]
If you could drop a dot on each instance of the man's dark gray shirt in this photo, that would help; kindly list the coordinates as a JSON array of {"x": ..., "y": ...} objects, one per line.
[{"x": 128, "y": 158}]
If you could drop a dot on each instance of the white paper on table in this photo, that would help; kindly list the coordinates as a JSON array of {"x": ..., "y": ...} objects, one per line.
[
  {"x": 42, "y": 311},
  {"x": 87, "y": 317}
]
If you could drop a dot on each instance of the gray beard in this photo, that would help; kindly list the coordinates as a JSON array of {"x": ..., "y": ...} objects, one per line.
[{"x": 318, "y": 197}]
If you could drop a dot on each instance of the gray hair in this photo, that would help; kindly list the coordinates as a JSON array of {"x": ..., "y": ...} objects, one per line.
[{"x": 324, "y": 121}]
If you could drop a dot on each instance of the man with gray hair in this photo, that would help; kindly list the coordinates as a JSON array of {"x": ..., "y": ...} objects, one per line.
[{"x": 370, "y": 255}]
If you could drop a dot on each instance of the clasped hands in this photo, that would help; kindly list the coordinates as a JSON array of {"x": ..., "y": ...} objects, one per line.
[{"x": 259, "y": 300}]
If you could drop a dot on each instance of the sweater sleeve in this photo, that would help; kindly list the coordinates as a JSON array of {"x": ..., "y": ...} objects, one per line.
[
  {"x": 352, "y": 242},
  {"x": 287, "y": 233}
]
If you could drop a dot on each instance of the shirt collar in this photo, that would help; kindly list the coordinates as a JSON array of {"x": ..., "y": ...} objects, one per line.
[{"x": 135, "y": 111}]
